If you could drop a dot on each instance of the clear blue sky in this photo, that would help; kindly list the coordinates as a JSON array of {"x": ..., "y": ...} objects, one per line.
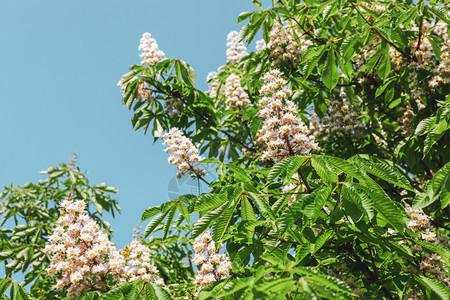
[{"x": 60, "y": 62}]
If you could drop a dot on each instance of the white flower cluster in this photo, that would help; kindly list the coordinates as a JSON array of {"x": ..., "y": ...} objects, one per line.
[
  {"x": 151, "y": 54},
  {"x": 81, "y": 252},
  {"x": 419, "y": 221},
  {"x": 236, "y": 49},
  {"x": 283, "y": 131},
  {"x": 184, "y": 153},
  {"x": 260, "y": 45},
  {"x": 236, "y": 97},
  {"x": 342, "y": 119},
  {"x": 285, "y": 45},
  {"x": 83, "y": 256},
  {"x": 139, "y": 265},
  {"x": 214, "y": 266}
]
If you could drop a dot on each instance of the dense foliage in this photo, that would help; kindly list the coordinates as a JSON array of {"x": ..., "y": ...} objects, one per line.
[{"x": 331, "y": 147}]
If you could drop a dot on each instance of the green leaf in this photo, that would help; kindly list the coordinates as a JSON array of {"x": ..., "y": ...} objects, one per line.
[
  {"x": 438, "y": 186},
  {"x": 388, "y": 173},
  {"x": 168, "y": 222},
  {"x": 160, "y": 292},
  {"x": 262, "y": 205},
  {"x": 18, "y": 292},
  {"x": 220, "y": 226},
  {"x": 210, "y": 160},
  {"x": 187, "y": 72},
  {"x": 239, "y": 173},
  {"x": 154, "y": 223},
  {"x": 258, "y": 4},
  {"x": 326, "y": 174},
  {"x": 244, "y": 15},
  {"x": 386, "y": 207},
  {"x": 384, "y": 67},
  {"x": 315, "y": 53},
  {"x": 432, "y": 288},
  {"x": 351, "y": 204},
  {"x": 425, "y": 126},
  {"x": 206, "y": 202},
  {"x": 385, "y": 84},
  {"x": 150, "y": 212},
  {"x": 4, "y": 284},
  {"x": 360, "y": 195},
  {"x": 330, "y": 75},
  {"x": 321, "y": 240},
  {"x": 204, "y": 222},
  {"x": 247, "y": 213},
  {"x": 286, "y": 167}
]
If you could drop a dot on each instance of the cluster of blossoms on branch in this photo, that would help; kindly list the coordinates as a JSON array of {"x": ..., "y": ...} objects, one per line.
[
  {"x": 83, "y": 257},
  {"x": 341, "y": 119},
  {"x": 283, "y": 131},
  {"x": 287, "y": 43},
  {"x": 184, "y": 153},
  {"x": 419, "y": 221},
  {"x": 236, "y": 97},
  {"x": 151, "y": 55},
  {"x": 212, "y": 265},
  {"x": 236, "y": 50}
]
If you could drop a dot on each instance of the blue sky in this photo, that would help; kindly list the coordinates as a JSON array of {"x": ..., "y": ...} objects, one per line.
[{"x": 60, "y": 62}]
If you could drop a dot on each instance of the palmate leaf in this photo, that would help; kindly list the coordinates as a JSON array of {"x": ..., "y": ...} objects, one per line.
[
  {"x": 343, "y": 165},
  {"x": 387, "y": 173},
  {"x": 286, "y": 167},
  {"x": 327, "y": 175},
  {"x": 220, "y": 226},
  {"x": 274, "y": 287},
  {"x": 154, "y": 223},
  {"x": 351, "y": 205},
  {"x": 247, "y": 212},
  {"x": 262, "y": 205},
  {"x": 361, "y": 196},
  {"x": 330, "y": 75},
  {"x": 206, "y": 202},
  {"x": 19, "y": 293},
  {"x": 386, "y": 207},
  {"x": 205, "y": 221},
  {"x": 432, "y": 288},
  {"x": 329, "y": 287},
  {"x": 159, "y": 292},
  {"x": 4, "y": 284},
  {"x": 150, "y": 212},
  {"x": 438, "y": 186}
]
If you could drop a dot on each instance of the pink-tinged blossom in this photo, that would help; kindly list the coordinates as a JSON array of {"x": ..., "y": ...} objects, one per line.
[
  {"x": 236, "y": 49},
  {"x": 212, "y": 265},
  {"x": 236, "y": 97},
  {"x": 139, "y": 265},
  {"x": 283, "y": 132},
  {"x": 82, "y": 256},
  {"x": 151, "y": 55},
  {"x": 184, "y": 153}
]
